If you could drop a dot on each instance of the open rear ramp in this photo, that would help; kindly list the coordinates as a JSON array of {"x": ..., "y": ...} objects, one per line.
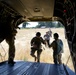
[{"x": 34, "y": 68}]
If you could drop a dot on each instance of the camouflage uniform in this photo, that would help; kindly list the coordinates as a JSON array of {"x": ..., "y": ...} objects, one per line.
[
  {"x": 8, "y": 34},
  {"x": 36, "y": 46},
  {"x": 47, "y": 38},
  {"x": 10, "y": 40},
  {"x": 56, "y": 54}
]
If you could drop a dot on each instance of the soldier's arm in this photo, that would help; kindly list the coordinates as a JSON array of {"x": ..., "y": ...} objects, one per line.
[
  {"x": 51, "y": 45},
  {"x": 32, "y": 41},
  {"x": 42, "y": 41}
]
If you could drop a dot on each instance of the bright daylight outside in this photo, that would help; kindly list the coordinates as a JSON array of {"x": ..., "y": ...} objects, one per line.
[{"x": 23, "y": 47}]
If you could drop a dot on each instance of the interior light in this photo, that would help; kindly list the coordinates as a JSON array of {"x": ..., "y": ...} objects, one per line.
[{"x": 64, "y": 11}]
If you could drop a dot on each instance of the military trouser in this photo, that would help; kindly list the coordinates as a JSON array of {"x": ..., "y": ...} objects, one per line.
[
  {"x": 11, "y": 52},
  {"x": 57, "y": 58},
  {"x": 33, "y": 50}
]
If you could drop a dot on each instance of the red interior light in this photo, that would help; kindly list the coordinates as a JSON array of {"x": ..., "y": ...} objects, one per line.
[{"x": 64, "y": 11}]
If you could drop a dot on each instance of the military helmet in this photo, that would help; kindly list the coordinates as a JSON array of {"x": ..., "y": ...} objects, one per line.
[{"x": 38, "y": 34}]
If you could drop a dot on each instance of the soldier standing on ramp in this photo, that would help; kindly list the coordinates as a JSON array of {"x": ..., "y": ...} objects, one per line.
[{"x": 57, "y": 46}]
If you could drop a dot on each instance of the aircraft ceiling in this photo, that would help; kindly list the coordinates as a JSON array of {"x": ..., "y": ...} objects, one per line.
[
  {"x": 33, "y": 8},
  {"x": 42, "y": 10}
]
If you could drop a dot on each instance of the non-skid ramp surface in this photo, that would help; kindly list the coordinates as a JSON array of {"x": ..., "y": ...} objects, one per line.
[{"x": 33, "y": 68}]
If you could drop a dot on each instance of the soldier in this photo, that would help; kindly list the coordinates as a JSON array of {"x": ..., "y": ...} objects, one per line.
[
  {"x": 8, "y": 32},
  {"x": 36, "y": 46},
  {"x": 57, "y": 46},
  {"x": 47, "y": 38}
]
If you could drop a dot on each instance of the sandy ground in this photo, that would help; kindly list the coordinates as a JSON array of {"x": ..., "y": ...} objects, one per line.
[{"x": 22, "y": 44}]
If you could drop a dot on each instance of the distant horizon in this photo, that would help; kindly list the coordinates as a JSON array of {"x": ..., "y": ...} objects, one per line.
[{"x": 31, "y": 24}]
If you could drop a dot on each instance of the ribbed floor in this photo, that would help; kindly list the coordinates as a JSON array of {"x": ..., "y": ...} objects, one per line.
[{"x": 33, "y": 68}]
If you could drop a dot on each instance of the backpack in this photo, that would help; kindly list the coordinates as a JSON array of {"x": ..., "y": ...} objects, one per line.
[{"x": 59, "y": 46}]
